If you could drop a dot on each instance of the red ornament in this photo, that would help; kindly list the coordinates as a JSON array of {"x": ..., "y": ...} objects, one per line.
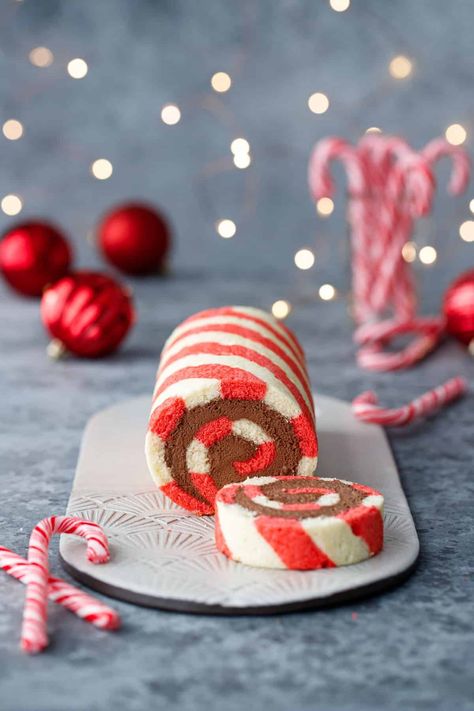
[
  {"x": 32, "y": 255},
  {"x": 87, "y": 313},
  {"x": 458, "y": 308},
  {"x": 134, "y": 238}
]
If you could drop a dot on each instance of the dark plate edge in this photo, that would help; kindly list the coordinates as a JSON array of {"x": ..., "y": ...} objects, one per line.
[{"x": 197, "y": 608}]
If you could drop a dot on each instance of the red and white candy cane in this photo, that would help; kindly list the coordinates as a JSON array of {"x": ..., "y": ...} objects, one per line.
[
  {"x": 71, "y": 598},
  {"x": 390, "y": 185},
  {"x": 34, "y": 636},
  {"x": 367, "y": 409}
]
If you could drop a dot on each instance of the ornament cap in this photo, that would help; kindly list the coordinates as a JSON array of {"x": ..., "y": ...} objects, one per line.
[{"x": 56, "y": 349}]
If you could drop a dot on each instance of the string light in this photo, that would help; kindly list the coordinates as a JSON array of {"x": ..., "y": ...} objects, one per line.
[
  {"x": 400, "y": 67},
  {"x": 471, "y": 206},
  {"x": 41, "y": 57},
  {"x": 339, "y": 5},
  {"x": 318, "y": 103},
  {"x": 466, "y": 231},
  {"x": 281, "y": 309},
  {"x": 11, "y": 204},
  {"x": 374, "y": 129},
  {"x": 455, "y": 134},
  {"x": 409, "y": 251},
  {"x": 242, "y": 160},
  {"x": 304, "y": 259},
  {"x": 226, "y": 228},
  {"x": 170, "y": 114},
  {"x": 327, "y": 292},
  {"x": 77, "y": 68},
  {"x": 221, "y": 82},
  {"x": 428, "y": 255},
  {"x": 102, "y": 169},
  {"x": 239, "y": 145},
  {"x": 12, "y": 129},
  {"x": 325, "y": 206}
]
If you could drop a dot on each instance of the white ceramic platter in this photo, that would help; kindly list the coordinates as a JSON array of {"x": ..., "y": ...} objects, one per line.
[{"x": 162, "y": 556}]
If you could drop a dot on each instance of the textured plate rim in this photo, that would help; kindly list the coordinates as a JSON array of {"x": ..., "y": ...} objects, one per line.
[{"x": 201, "y": 608}]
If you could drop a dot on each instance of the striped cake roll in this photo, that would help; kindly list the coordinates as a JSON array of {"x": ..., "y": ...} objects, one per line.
[
  {"x": 232, "y": 399},
  {"x": 298, "y": 523}
]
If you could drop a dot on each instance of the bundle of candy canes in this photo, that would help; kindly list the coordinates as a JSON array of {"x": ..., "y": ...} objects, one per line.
[
  {"x": 389, "y": 185},
  {"x": 41, "y": 586}
]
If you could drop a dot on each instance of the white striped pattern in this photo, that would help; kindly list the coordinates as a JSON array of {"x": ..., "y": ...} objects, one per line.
[{"x": 249, "y": 350}]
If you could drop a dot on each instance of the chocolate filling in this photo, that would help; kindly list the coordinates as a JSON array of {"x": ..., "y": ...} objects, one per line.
[
  {"x": 280, "y": 491},
  {"x": 230, "y": 449}
]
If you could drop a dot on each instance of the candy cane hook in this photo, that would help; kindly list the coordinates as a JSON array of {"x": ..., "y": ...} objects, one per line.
[{"x": 34, "y": 636}]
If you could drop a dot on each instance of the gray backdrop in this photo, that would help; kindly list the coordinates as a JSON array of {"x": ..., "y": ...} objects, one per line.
[{"x": 408, "y": 648}]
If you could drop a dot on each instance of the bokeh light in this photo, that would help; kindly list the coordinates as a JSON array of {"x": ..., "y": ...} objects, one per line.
[
  {"x": 11, "y": 204},
  {"x": 409, "y": 251},
  {"x": 318, "y": 103},
  {"x": 41, "y": 57},
  {"x": 242, "y": 160},
  {"x": 304, "y": 259},
  {"x": 325, "y": 206},
  {"x": 221, "y": 82},
  {"x": 170, "y": 114},
  {"x": 239, "y": 145},
  {"x": 327, "y": 292},
  {"x": 281, "y": 308},
  {"x": 427, "y": 255},
  {"x": 102, "y": 169},
  {"x": 339, "y": 5},
  {"x": 226, "y": 228},
  {"x": 400, "y": 67},
  {"x": 77, "y": 68},
  {"x": 455, "y": 134},
  {"x": 12, "y": 129},
  {"x": 466, "y": 231}
]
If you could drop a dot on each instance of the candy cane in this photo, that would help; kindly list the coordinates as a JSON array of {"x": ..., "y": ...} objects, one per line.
[
  {"x": 366, "y": 409},
  {"x": 321, "y": 185},
  {"x": 374, "y": 338},
  {"x": 34, "y": 636},
  {"x": 440, "y": 148},
  {"x": 81, "y": 603},
  {"x": 389, "y": 186}
]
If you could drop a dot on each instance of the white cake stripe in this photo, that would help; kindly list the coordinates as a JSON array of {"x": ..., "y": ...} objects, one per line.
[
  {"x": 224, "y": 338},
  {"x": 283, "y": 401}
]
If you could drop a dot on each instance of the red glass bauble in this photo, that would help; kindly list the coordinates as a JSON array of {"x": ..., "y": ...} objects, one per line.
[
  {"x": 32, "y": 255},
  {"x": 458, "y": 308},
  {"x": 87, "y": 313},
  {"x": 134, "y": 238}
]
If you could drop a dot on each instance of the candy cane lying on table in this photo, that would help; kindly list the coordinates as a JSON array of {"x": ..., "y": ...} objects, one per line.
[
  {"x": 81, "y": 603},
  {"x": 366, "y": 408},
  {"x": 34, "y": 636}
]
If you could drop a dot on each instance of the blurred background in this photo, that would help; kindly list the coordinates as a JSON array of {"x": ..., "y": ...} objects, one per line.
[{"x": 87, "y": 81}]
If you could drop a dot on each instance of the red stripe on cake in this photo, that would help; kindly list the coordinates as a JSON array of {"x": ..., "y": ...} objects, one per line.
[
  {"x": 228, "y": 493},
  {"x": 292, "y": 544},
  {"x": 285, "y": 336},
  {"x": 180, "y": 497},
  {"x": 212, "y": 432},
  {"x": 367, "y": 523},
  {"x": 261, "y": 459},
  {"x": 219, "y": 349},
  {"x": 306, "y": 436},
  {"x": 205, "y": 485},
  {"x": 164, "y": 419},
  {"x": 241, "y": 390},
  {"x": 250, "y": 335},
  {"x": 242, "y": 378}
]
